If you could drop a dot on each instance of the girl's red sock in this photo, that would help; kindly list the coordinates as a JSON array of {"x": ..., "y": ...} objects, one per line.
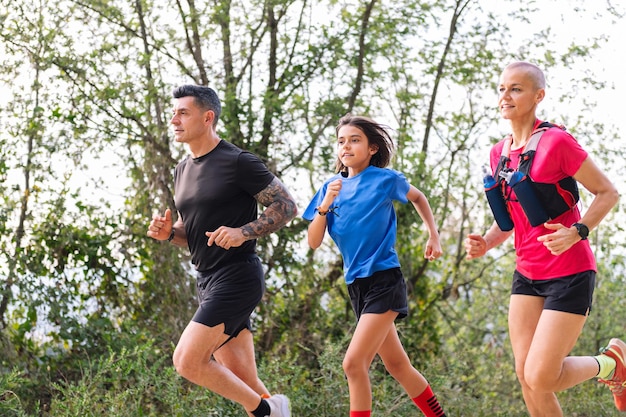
[
  {"x": 367, "y": 413},
  {"x": 427, "y": 402}
]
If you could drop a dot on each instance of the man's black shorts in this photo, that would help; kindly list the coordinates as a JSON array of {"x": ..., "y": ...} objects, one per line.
[
  {"x": 570, "y": 294},
  {"x": 379, "y": 293},
  {"x": 229, "y": 294}
]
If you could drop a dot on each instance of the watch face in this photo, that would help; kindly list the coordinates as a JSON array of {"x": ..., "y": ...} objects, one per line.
[{"x": 583, "y": 230}]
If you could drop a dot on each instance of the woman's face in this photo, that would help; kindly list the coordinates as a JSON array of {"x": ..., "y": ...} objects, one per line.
[{"x": 518, "y": 94}]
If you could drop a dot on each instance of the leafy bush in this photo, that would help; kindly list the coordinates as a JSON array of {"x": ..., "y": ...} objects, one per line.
[{"x": 11, "y": 390}]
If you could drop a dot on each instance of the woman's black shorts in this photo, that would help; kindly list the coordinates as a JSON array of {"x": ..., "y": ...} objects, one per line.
[
  {"x": 229, "y": 294},
  {"x": 379, "y": 293},
  {"x": 570, "y": 294}
]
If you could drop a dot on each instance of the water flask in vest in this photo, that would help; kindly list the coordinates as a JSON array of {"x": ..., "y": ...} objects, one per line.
[
  {"x": 496, "y": 202},
  {"x": 527, "y": 198}
]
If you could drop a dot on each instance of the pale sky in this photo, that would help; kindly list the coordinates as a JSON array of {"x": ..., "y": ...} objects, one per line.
[{"x": 575, "y": 21}]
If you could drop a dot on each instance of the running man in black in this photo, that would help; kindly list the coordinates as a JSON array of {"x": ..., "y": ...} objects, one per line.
[{"x": 217, "y": 191}]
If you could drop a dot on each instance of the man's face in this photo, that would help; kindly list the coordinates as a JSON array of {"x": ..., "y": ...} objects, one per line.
[{"x": 189, "y": 121}]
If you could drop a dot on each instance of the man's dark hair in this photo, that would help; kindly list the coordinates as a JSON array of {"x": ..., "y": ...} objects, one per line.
[{"x": 206, "y": 98}]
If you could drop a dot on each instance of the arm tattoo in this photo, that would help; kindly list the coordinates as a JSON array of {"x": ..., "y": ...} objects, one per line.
[{"x": 280, "y": 207}]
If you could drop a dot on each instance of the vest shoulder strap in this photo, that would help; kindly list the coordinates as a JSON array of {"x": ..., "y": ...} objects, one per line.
[
  {"x": 528, "y": 152},
  {"x": 536, "y": 135}
]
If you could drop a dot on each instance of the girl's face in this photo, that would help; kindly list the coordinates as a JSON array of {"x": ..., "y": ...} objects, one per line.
[
  {"x": 353, "y": 149},
  {"x": 518, "y": 95}
]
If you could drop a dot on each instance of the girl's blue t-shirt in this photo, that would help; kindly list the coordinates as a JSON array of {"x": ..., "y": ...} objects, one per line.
[{"x": 362, "y": 222}]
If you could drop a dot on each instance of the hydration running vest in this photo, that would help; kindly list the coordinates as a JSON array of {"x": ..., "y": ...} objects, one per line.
[{"x": 557, "y": 198}]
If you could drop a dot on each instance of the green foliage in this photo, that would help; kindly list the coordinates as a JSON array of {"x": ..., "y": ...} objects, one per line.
[
  {"x": 90, "y": 307},
  {"x": 13, "y": 387},
  {"x": 469, "y": 380},
  {"x": 125, "y": 383}
]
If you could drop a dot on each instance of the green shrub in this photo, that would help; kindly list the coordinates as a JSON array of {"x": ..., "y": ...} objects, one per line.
[{"x": 11, "y": 393}]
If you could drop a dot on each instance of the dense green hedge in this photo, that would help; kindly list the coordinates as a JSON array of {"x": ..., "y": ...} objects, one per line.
[{"x": 140, "y": 381}]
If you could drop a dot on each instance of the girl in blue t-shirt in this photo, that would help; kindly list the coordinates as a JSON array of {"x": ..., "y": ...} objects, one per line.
[{"x": 356, "y": 206}]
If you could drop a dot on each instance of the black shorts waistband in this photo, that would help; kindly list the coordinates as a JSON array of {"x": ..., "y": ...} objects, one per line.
[{"x": 234, "y": 259}]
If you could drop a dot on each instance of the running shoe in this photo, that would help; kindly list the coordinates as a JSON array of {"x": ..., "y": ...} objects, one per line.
[
  {"x": 279, "y": 406},
  {"x": 617, "y": 384}
]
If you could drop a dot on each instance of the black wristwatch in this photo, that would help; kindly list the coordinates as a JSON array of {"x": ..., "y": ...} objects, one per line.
[{"x": 583, "y": 230}]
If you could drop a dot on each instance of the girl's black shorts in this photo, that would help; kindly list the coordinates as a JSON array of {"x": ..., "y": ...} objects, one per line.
[
  {"x": 570, "y": 294},
  {"x": 229, "y": 294},
  {"x": 379, "y": 293}
]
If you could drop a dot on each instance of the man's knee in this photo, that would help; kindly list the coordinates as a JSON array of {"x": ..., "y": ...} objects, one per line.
[{"x": 181, "y": 362}]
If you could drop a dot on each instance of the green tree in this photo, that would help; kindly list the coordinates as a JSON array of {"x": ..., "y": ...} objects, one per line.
[{"x": 80, "y": 283}]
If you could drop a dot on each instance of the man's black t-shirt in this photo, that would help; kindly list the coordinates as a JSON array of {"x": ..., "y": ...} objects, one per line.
[{"x": 218, "y": 189}]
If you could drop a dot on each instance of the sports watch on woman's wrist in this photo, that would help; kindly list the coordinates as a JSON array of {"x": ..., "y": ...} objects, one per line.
[{"x": 583, "y": 230}]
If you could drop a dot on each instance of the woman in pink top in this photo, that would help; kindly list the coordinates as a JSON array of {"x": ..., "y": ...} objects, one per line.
[{"x": 555, "y": 268}]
